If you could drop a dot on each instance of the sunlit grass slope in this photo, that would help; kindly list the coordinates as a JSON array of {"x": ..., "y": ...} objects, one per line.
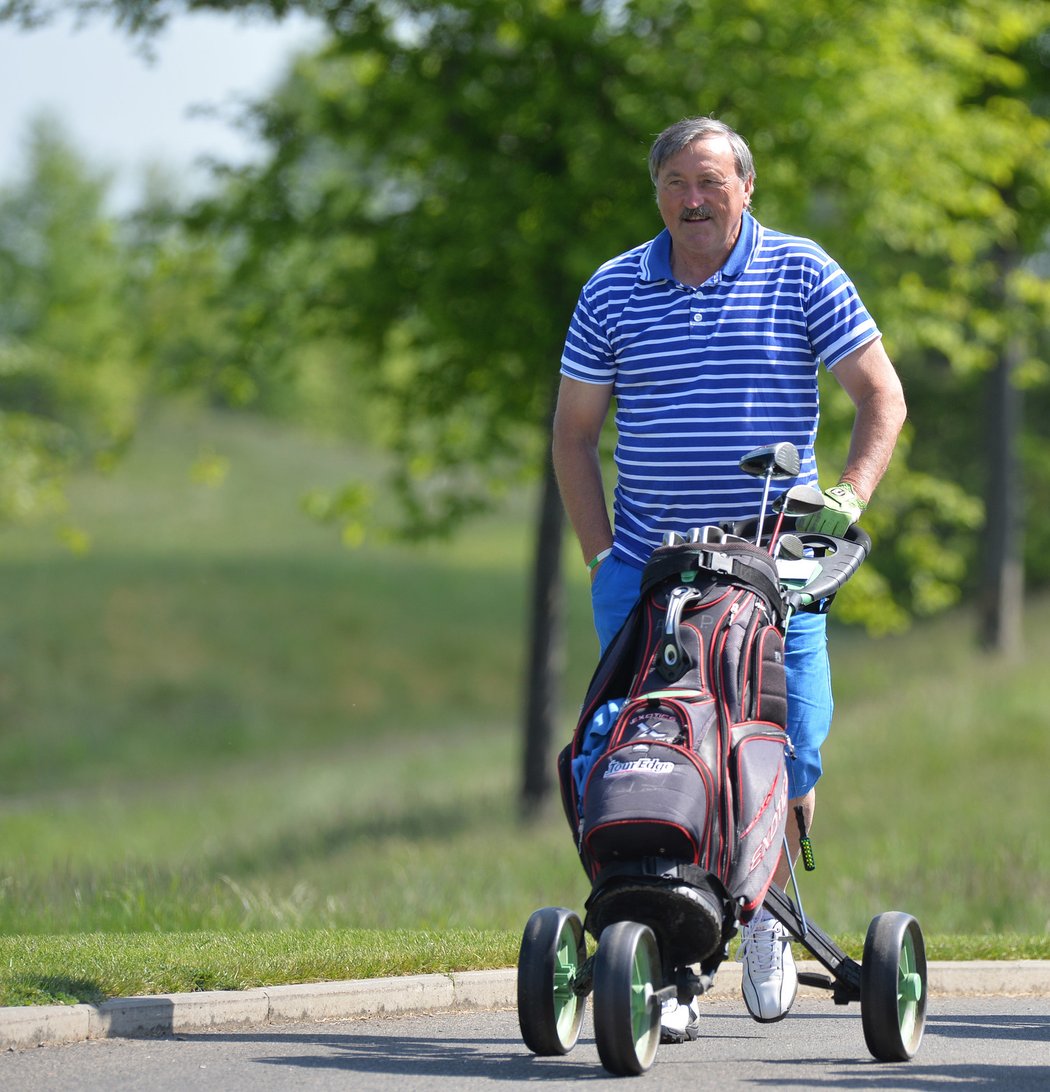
[{"x": 221, "y": 719}]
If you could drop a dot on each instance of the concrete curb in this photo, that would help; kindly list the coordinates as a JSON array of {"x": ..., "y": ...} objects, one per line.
[{"x": 183, "y": 1013}]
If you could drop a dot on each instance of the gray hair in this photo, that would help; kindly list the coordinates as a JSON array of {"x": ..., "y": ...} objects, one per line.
[{"x": 675, "y": 138}]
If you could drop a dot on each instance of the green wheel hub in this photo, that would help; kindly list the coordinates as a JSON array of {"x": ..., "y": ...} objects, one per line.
[
  {"x": 909, "y": 988},
  {"x": 550, "y": 1006},
  {"x": 566, "y": 967}
]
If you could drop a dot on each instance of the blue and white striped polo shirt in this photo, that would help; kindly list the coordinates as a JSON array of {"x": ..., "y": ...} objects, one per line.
[{"x": 703, "y": 375}]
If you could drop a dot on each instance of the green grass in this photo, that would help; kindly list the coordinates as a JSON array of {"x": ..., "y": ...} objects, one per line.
[
  {"x": 234, "y": 752},
  {"x": 92, "y": 967}
]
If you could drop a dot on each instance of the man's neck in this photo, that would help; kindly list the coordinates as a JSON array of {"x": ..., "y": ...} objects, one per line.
[
  {"x": 693, "y": 273},
  {"x": 695, "y": 268}
]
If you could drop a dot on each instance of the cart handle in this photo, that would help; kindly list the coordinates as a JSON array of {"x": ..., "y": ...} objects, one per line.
[{"x": 838, "y": 559}]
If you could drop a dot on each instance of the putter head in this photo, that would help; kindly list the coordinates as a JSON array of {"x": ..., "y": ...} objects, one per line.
[
  {"x": 799, "y": 500},
  {"x": 775, "y": 460}
]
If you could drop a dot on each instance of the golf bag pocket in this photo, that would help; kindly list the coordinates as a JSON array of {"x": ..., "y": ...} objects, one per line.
[
  {"x": 759, "y": 786},
  {"x": 653, "y": 792},
  {"x": 765, "y": 694},
  {"x": 665, "y": 718}
]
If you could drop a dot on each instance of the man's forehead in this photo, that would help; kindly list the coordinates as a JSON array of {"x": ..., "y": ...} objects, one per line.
[{"x": 713, "y": 151}]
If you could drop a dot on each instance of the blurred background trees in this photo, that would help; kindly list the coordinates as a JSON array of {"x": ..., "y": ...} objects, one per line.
[
  {"x": 68, "y": 376},
  {"x": 440, "y": 178}
]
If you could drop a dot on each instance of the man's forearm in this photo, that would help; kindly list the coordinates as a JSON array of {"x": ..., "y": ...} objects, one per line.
[
  {"x": 875, "y": 430},
  {"x": 869, "y": 378},
  {"x": 578, "y": 469}
]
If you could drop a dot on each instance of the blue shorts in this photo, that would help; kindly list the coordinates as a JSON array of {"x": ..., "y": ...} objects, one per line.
[{"x": 810, "y": 706}]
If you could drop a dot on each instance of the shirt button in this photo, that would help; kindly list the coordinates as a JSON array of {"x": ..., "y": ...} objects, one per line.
[{"x": 698, "y": 317}]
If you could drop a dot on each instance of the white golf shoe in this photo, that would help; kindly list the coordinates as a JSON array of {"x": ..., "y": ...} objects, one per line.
[
  {"x": 769, "y": 981},
  {"x": 679, "y": 1023}
]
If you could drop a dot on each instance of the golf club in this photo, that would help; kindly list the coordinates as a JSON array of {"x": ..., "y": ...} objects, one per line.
[
  {"x": 799, "y": 500},
  {"x": 790, "y": 548},
  {"x": 772, "y": 461}
]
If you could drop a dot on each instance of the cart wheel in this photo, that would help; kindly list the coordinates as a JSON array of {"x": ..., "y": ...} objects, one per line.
[
  {"x": 893, "y": 987},
  {"x": 552, "y": 951},
  {"x": 626, "y": 1014}
]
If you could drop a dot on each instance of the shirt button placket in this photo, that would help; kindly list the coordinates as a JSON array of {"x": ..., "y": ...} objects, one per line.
[{"x": 696, "y": 317}]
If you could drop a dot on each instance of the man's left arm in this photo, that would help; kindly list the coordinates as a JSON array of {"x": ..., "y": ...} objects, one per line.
[{"x": 872, "y": 383}]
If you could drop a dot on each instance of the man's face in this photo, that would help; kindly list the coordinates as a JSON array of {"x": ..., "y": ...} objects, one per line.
[{"x": 701, "y": 200}]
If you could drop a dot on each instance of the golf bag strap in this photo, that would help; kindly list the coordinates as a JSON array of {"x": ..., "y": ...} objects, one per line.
[{"x": 744, "y": 569}]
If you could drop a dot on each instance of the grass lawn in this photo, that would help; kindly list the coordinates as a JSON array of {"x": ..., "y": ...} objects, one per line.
[{"x": 234, "y": 752}]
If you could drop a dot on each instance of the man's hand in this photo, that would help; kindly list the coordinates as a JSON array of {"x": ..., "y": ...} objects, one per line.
[{"x": 842, "y": 508}]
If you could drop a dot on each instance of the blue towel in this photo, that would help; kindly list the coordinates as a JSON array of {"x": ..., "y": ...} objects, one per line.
[{"x": 594, "y": 742}]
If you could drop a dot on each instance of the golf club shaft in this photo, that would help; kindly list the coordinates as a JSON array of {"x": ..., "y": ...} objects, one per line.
[
  {"x": 765, "y": 501},
  {"x": 776, "y": 530}
]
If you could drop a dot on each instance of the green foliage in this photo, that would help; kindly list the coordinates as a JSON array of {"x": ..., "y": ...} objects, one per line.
[
  {"x": 458, "y": 171},
  {"x": 440, "y": 179},
  {"x": 237, "y": 340},
  {"x": 442, "y": 171},
  {"x": 69, "y": 379},
  {"x": 98, "y": 315}
]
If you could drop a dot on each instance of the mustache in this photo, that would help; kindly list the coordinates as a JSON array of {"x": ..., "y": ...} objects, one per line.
[{"x": 701, "y": 212}]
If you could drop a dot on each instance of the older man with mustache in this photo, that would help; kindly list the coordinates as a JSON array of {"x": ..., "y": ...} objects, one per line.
[{"x": 710, "y": 337}]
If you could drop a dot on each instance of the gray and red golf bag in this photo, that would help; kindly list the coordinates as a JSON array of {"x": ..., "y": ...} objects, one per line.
[{"x": 675, "y": 782}]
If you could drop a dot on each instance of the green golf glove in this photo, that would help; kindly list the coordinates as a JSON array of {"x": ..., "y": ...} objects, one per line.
[{"x": 842, "y": 509}]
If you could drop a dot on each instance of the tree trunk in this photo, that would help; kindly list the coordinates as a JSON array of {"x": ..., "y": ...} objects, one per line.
[
  {"x": 1001, "y": 602},
  {"x": 546, "y": 649}
]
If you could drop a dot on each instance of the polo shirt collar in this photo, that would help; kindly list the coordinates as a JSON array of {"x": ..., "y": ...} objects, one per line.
[{"x": 656, "y": 258}]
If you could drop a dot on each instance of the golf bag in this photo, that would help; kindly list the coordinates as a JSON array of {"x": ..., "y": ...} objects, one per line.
[{"x": 675, "y": 782}]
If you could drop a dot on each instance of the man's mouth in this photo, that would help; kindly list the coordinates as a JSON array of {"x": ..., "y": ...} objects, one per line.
[{"x": 693, "y": 215}]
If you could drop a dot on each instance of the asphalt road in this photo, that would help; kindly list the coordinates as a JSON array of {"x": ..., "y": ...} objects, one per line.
[{"x": 977, "y": 1043}]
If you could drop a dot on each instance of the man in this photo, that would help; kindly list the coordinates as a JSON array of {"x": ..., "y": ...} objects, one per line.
[{"x": 710, "y": 337}]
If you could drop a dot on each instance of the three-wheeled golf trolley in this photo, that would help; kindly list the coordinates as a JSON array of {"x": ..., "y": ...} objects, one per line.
[{"x": 675, "y": 787}]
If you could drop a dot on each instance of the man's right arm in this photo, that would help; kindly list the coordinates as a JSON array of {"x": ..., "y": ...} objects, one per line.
[{"x": 578, "y": 420}]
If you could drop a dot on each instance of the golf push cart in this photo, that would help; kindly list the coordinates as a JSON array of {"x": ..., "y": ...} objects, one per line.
[{"x": 662, "y": 929}]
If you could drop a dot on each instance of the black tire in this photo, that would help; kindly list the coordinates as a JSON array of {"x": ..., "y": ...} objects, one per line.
[
  {"x": 626, "y": 1014},
  {"x": 893, "y": 987},
  {"x": 553, "y": 950}
]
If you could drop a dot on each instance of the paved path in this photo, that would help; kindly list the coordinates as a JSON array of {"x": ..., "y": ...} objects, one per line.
[
  {"x": 172, "y": 1014},
  {"x": 979, "y": 1043}
]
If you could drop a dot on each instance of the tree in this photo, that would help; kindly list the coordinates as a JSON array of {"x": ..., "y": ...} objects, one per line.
[
  {"x": 481, "y": 109},
  {"x": 443, "y": 177},
  {"x": 962, "y": 192},
  {"x": 452, "y": 263},
  {"x": 69, "y": 381}
]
